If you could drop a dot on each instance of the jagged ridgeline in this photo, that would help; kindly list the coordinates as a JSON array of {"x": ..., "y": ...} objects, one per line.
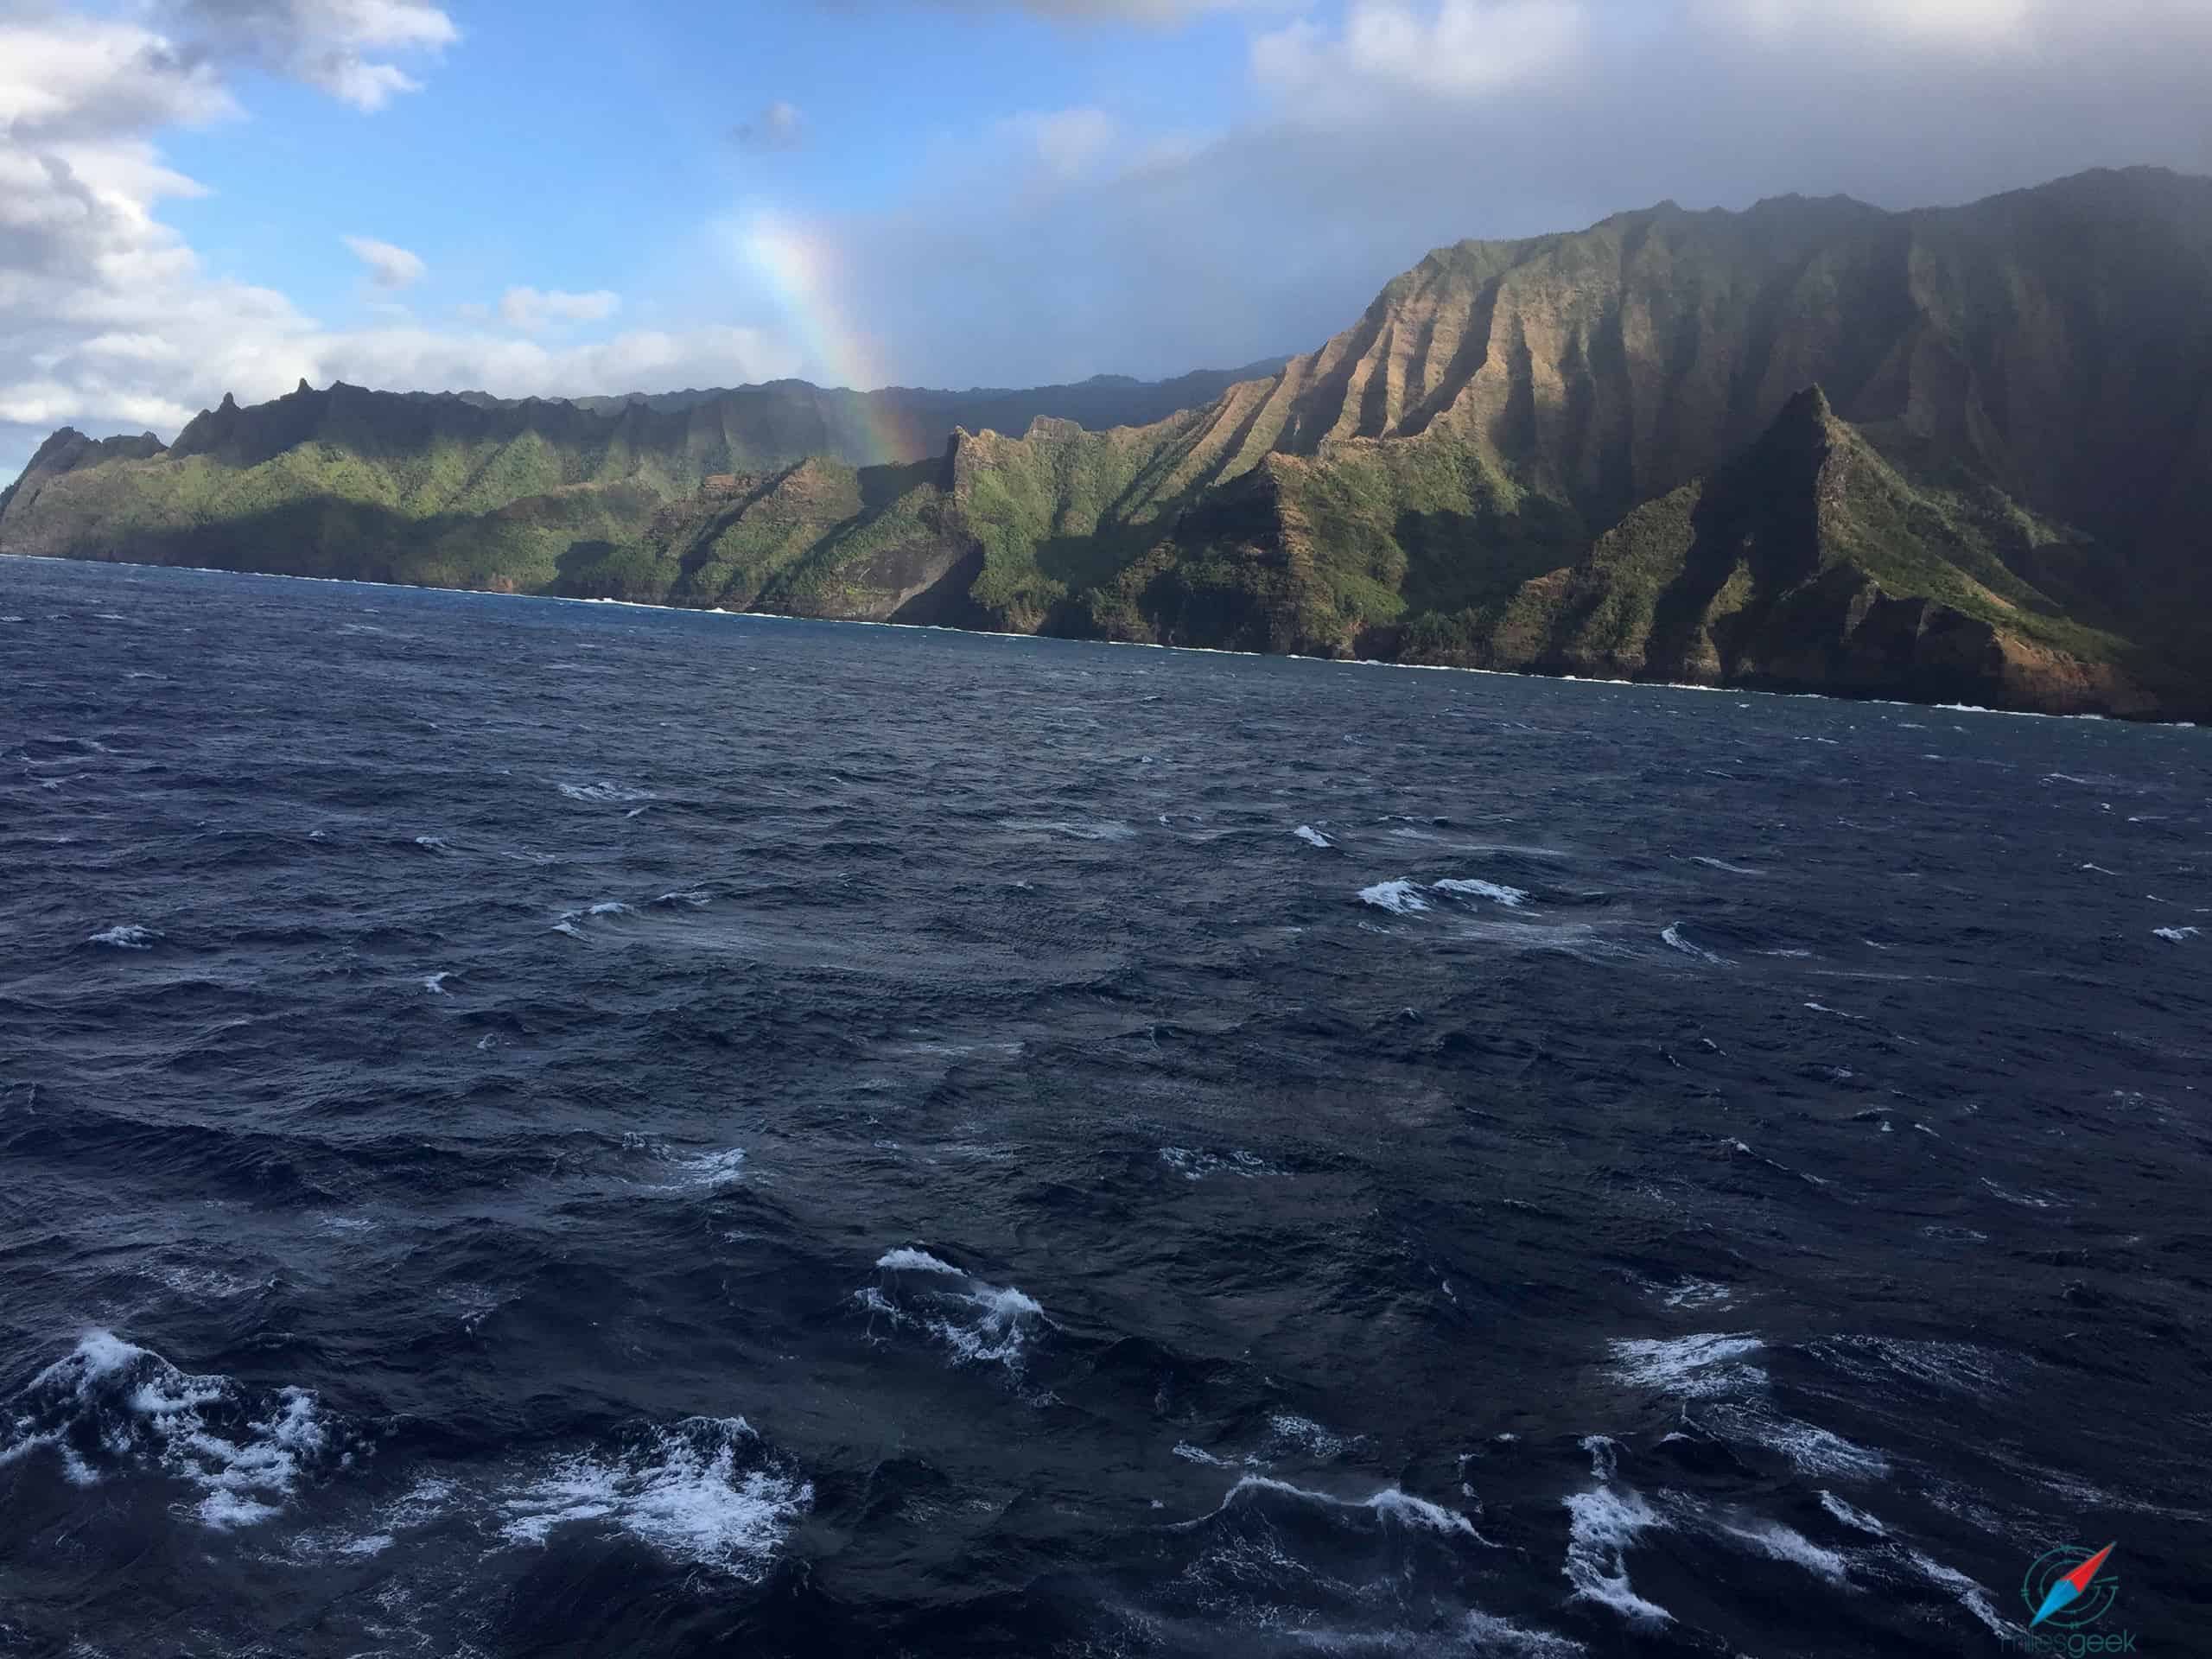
[{"x": 1959, "y": 453}]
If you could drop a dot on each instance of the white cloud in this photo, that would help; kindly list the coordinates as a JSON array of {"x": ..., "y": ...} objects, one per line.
[
  {"x": 109, "y": 319},
  {"x": 389, "y": 266},
  {"x": 1152, "y": 13},
  {"x": 533, "y": 309},
  {"x": 1454, "y": 48},
  {"x": 323, "y": 42}
]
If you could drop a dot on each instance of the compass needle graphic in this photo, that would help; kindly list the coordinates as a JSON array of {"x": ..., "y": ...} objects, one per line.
[{"x": 2065, "y": 1591}]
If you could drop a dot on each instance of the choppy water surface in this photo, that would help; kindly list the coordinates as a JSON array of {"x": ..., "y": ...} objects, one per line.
[{"x": 531, "y": 1128}]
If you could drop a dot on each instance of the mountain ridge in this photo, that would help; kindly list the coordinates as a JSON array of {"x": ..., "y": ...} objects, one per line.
[{"x": 2014, "y": 412}]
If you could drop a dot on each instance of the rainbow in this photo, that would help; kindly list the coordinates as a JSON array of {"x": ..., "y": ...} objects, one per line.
[{"x": 799, "y": 272}]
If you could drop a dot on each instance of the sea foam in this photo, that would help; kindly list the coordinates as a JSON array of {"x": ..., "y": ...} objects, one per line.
[
  {"x": 110, "y": 1406},
  {"x": 705, "y": 1491}
]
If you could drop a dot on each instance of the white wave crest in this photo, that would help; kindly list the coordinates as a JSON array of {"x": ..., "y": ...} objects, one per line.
[
  {"x": 1601, "y": 1526},
  {"x": 705, "y": 1491},
  {"x": 1672, "y": 936},
  {"x": 603, "y": 793},
  {"x": 1781, "y": 1543},
  {"x": 1390, "y": 1504},
  {"x": 1699, "y": 1366},
  {"x": 980, "y": 1324},
  {"x": 1400, "y": 898},
  {"x": 112, "y": 1405},
  {"x": 129, "y": 936},
  {"x": 1512, "y": 897},
  {"x": 1313, "y": 837},
  {"x": 1851, "y": 1516},
  {"x": 2177, "y": 934}
]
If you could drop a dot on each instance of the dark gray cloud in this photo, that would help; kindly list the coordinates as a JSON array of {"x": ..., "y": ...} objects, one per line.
[{"x": 1274, "y": 235}]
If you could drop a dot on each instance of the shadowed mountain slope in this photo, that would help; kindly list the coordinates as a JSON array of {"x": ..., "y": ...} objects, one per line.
[{"x": 1594, "y": 452}]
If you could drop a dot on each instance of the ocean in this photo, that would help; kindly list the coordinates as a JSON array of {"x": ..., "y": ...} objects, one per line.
[{"x": 534, "y": 1128}]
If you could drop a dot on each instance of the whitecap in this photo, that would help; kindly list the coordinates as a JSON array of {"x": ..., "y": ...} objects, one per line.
[
  {"x": 1390, "y": 1504},
  {"x": 978, "y": 1322},
  {"x": 711, "y": 1170},
  {"x": 1512, "y": 897},
  {"x": 1971, "y": 1595},
  {"x": 1196, "y": 1165},
  {"x": 2025, "y": 1200},
  {"x": 1821, "y": 1007},
  {"x": 2178, "y": 935},
  {"x": 1720, "y": 864},
  {"x": 1672, "y": 936},
  {"x": 1400, "y": 898},
  {"x": 1697, "y": 1366},
  {"x": 603, "y": 793},
  {"x": 1308, "y": 834},
  {"x": 1808, "y": 1447},
  {"x": 113, "y": 1404},
  {"x": 1697, "y": 1292},
  {"x": 1600, "y": 1528},
  {"x": 435, "y": 983},
  {"x": 906, "y": 1259},
  {"x": 1191, "y": 1453},
  {"x": 1781, "y": 1543},
  {"x": 1487, "y": 1634},
  {"x": 705, "y": 1492},
  {"x": 1851, "y": 1516},
  {"x": 126, "y": 936},
  {"x": 1287, "y": 1431},
  {"x": 432, "y": 843}
]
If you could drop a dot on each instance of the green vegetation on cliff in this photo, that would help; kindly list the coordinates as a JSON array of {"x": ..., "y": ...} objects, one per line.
[{"x": 1590, "y": 453}]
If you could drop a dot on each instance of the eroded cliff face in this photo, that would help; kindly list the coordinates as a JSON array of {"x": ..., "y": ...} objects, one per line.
[{"x": 1591, "y": 452}]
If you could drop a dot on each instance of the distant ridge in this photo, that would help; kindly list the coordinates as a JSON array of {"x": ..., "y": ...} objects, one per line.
[{"x": 1958, "y": 453}]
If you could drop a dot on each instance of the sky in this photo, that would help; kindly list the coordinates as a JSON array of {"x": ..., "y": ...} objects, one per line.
[{"x": 203, "y": 196}]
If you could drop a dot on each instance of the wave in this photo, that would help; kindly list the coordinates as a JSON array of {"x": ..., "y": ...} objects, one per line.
[
  {"x": 1511, "y": 898},
  {"x": 1313, "y": 837},
  {"x": 1400, "y": 898},
  {"x": 1194, "y": 1166},
  {"x": 128, "y": 935},
  {"x": 1695, "y": 1367},
  {"x": 1722, "y": 864},
  {"x": 1781, "y": 1543},
  {"x": 1672, "y": 936},
  {"x": 605, "y": 793},
  {"x": 711, "y": 1171},
  {"x": 1077, "y": 828},
  {"x": 1390, "y": 1505},
  {"x": 2177, "y": 934},
  {"x": 111, "y": 1406},
  {"x": 980, "y": 1324},
  {"x": 1601, "y": 1525},
  {"x": 706, "y": 1490}
]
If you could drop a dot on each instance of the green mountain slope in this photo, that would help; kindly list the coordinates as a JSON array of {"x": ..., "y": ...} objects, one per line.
[{"x": 1591, "y": 452}]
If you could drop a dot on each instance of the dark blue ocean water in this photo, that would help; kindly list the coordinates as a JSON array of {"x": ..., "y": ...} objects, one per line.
[{"x": 538, "y": 1128}]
